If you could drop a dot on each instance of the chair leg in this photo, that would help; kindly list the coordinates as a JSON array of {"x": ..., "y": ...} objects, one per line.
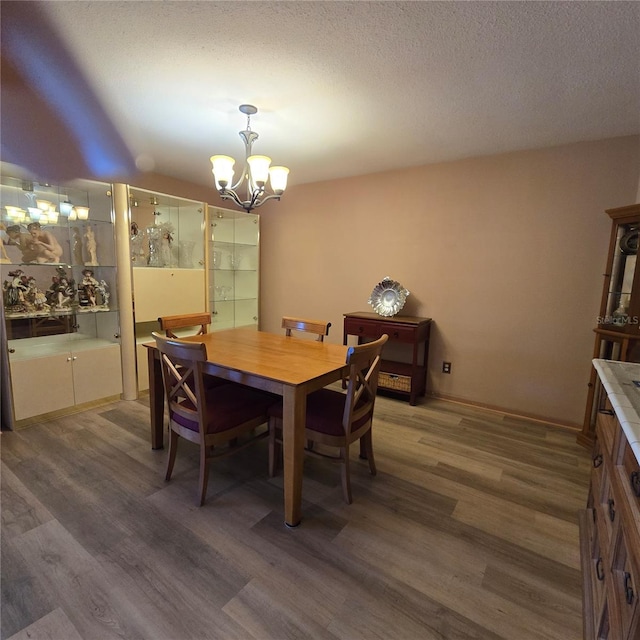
[
  {"x": 367, "y": 443},
  {"x": 204, "y": 473},
  {"x": 173, "y": 449},
  {"x": 346, "y": 477}
]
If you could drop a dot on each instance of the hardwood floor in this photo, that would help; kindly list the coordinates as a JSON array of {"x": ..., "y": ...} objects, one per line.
[{"x": 469, "y": 531}]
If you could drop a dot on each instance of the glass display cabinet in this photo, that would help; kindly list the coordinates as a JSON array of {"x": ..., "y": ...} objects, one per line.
[
  {"x": 167, "y": 245},
  {"x": 234, "y": 262},
  {"x": 618, "y": 323},
  {"x": 58, "y": 272}
]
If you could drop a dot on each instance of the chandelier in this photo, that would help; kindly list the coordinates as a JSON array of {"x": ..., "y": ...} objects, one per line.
[{"x": 257, "y": 171}]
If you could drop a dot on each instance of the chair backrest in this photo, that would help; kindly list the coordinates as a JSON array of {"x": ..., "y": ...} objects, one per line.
[
  {"x": 169, "y": 323},
  {"x": 182, "y": 378},
  {"x": 362, "y": 383},
  {"x": 319, "y": 327}
]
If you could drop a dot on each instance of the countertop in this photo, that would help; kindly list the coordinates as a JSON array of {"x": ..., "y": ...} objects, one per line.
[{"x": 618, "y": 379}]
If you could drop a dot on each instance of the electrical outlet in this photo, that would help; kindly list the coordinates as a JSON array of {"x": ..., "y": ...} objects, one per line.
[{"x": 446, "y": 367}]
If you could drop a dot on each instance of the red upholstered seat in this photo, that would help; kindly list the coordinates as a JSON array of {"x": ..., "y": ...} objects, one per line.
[
  {"x": 325, "y": 409},
  {"x": 227, "y": 406}
]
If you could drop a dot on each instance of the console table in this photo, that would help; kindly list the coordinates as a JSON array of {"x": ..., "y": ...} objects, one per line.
[{"x": 409, "y": 379}]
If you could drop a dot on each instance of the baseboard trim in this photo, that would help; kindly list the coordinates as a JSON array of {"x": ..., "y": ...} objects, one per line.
[{"x": 495, "y": 409}]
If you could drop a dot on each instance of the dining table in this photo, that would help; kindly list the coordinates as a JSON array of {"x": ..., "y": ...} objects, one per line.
[{"x": 290, "y": 367}]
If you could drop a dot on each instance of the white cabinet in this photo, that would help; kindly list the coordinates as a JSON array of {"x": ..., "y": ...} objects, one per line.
[
  {"x": 58, "y": 274},
  {"x": 234, "y": 267},
  {"x": 168, "y": 259}
]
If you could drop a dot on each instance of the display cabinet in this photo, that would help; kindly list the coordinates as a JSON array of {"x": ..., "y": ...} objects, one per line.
[
  {"x": 167, "y": 245},
  {"x": 234, "y": 261},
  {"x": 58, "y": 272},
  {"x": 617, "y": 331}
]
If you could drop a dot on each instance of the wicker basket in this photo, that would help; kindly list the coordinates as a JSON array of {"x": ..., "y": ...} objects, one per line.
[{"x": 394, "y": 381}]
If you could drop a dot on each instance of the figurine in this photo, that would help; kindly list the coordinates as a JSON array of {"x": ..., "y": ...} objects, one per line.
[
  {"x": 43, "y": 243},
  {"x": 92, "y": 247},
  {"x": 77, "y": 246},
  {"x": 61, "y": 293},
  {"x": 4, "y": 239},
  {"x": 87, "y": 289},
  {"x": 14, "y": 290},
  {"x": 34, "y": 298},
  {"x": 21, "y": 240}
]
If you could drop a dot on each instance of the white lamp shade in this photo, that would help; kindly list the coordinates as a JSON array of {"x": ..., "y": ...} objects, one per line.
[
  {"x": 65, "y": 208},
  {"x": 43, "y": 204},
  {"x": 223, "y": 171},
  {"x": 15, "y": 213},
  {"x": 82, "y": 212},
  {"x": 278, "y": 177},
  {"x": 259, "y": 168},
  {"x": 34, "y": 213},
  {"x": 72, "y": 214},
  {"x": 52, "y": 215}
]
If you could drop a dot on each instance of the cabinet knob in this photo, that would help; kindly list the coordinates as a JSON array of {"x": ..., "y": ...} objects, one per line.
[
  {"x": 628, "y": 588},
  {"x": 612, "y": 509},
  {"x": 635, "y": 483},
  {"x": 599, "y": 570},
  {"x": 116, "y": 336},
  {"x": 74, "y": 358},
  {"x": 597, "y": 460},
  {"x": 12, "y": 350},
  {"x": 69, "y": 359}
]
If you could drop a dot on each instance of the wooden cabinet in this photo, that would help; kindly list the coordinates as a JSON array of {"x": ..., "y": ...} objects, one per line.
[
  {"x": 59, "y": 293},
  {"x": 610, "y": 526},
  {"x": 403, "y": 371},
  {"x": 618, "y": 323}
]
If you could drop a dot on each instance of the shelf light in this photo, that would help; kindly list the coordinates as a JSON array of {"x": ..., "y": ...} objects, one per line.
[{"x": 82, "y": 212}]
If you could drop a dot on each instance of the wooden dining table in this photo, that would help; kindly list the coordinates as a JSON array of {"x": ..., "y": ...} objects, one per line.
[{"x": 290, "y": 367}]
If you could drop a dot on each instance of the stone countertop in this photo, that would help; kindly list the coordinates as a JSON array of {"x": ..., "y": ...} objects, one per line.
[{"x": 618, "y": 379}]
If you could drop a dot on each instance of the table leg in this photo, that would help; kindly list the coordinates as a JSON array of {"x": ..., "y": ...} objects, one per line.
[
  {"x": 293, "y": 418},
  {"x": 156, "y": 399}
]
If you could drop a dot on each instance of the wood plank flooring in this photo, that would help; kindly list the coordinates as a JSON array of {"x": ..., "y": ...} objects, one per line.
[{"x": 468, "y": 532}]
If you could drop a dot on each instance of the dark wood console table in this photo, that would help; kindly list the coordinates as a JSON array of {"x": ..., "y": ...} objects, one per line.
[{"x": 409, "y": 379}]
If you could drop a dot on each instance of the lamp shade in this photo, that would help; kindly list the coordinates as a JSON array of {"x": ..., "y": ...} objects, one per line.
[
  {"x": 222, "y": 171},
  {"x": 278, "y": 177},
  {"x": 43, "y": 204},
  {"x": 259, "y": 168},
  {"x": 82, "y": 212},
  {"x": 65, "y": 208},
  {"x": 34, "y": 213}
]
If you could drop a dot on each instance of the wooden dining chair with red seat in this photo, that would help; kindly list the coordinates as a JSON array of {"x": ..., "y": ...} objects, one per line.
[
  {"x": 209, "y": 417},
  {"x": 339, "y": 419},
  {"x": 185, "y": 321},
  {"x": 319, "y": 327},
  {"x": 169, "y": 324}
]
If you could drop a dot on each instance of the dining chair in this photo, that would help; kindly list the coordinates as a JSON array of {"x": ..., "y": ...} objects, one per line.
[
  {"x": 337, "y": 419},
  {"x": 319, "y": 327},
  {"x": 185, "y": 321},
  {"x": 210, "y": 417}
]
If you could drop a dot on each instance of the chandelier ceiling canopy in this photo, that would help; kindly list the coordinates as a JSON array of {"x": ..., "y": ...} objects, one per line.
[{"x": 256, "y": 172}]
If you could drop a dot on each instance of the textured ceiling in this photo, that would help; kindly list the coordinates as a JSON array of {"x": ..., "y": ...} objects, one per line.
[{"x": 347, "y": 88}]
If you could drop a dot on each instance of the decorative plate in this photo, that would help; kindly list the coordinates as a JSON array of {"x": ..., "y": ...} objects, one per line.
[
  {"x": 388, "y": 297},
  {"x": 629, "y": 242}
]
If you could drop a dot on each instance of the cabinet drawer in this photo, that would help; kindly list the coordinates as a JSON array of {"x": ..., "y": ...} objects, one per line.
[
  {"x": 631, "y": 480},
  {"x": 401, "y": 334},
  {"x": 626, "y": 584},
  {"x": 364, "y": 328}
]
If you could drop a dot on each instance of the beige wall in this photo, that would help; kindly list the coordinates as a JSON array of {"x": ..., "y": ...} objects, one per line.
[{"x": 505, "y": 253}]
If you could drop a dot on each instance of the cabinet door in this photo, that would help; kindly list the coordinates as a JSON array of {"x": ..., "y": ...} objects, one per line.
[
  {"x": 41, "y": 385},
  {"x": 97, "y": 374},
  {"x": 167, "y": 292}
]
